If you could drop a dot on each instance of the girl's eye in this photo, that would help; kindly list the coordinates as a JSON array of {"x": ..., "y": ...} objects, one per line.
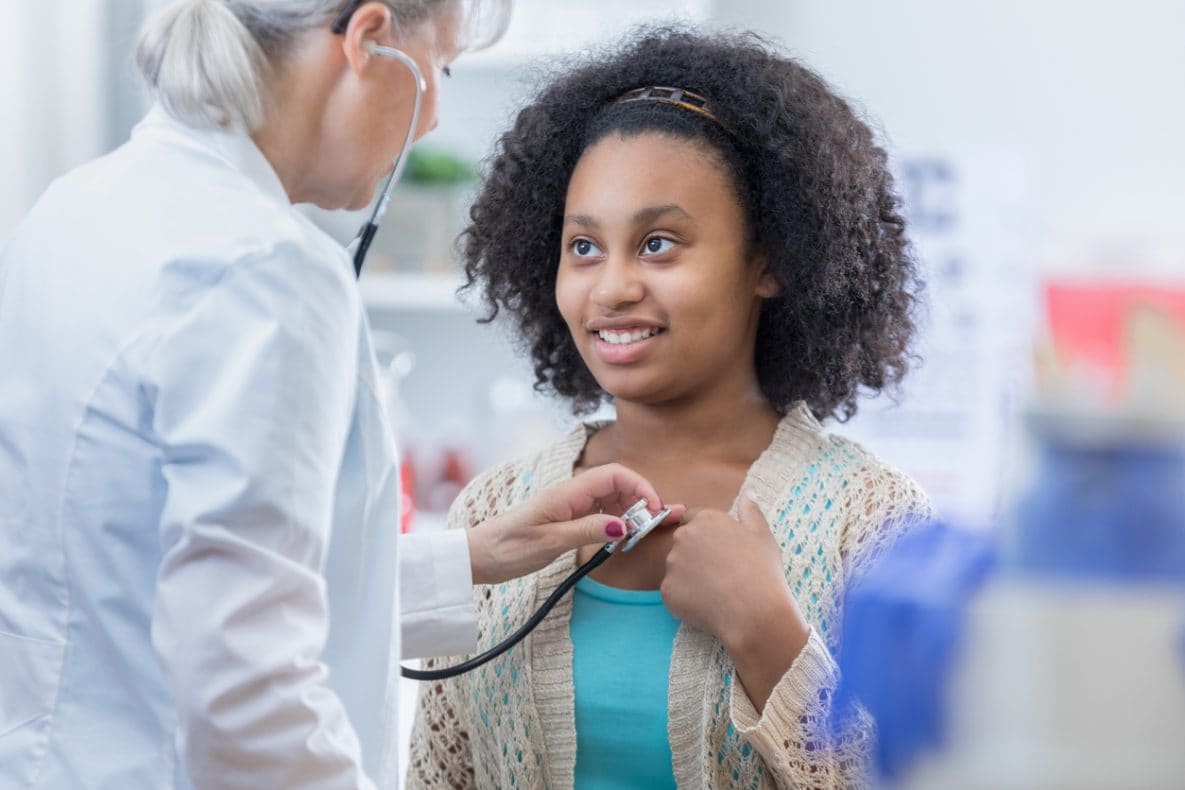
[
  {"x": 656, "y": 245},
  {"x": 583, "y": 248}
]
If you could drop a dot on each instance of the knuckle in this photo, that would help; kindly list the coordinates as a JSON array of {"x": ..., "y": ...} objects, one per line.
[
  {"x": 557, "y": 540},
  {"x": 612, "y": 469}
]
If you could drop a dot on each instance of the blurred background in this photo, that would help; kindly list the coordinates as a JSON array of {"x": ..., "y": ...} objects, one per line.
[
  {"x": 1038, "y": 148},
  {"x": 1034, "y": 142}
]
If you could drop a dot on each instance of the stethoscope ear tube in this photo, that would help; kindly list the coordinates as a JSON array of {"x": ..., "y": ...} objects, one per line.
[
  {"x": 363, "y": 240},
  {"x": 604, "y": 553},
  {"x": 365, "y": 236}
]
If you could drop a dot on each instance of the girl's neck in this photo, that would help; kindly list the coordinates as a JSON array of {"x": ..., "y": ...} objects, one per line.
[{"x": 734, "y": 430}]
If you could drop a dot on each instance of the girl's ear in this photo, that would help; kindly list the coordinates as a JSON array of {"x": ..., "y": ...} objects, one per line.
[{"x": 767, "y": 285}]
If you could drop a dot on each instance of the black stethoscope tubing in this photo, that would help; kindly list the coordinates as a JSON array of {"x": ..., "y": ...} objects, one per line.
[
  {"x": 638, "y": 522},
  {"x": 604, "y": 553}
]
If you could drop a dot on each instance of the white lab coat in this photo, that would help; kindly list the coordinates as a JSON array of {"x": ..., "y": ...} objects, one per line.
[{"x": 198, "y": 488}]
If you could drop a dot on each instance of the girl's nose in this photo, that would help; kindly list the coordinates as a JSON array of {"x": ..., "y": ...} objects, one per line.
[{"x": 619, "y": 284}]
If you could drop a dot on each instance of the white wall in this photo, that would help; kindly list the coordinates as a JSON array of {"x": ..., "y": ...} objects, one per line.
[
  {"x": 53, "y": 112},
  {"x": 1088, "y": 93}
]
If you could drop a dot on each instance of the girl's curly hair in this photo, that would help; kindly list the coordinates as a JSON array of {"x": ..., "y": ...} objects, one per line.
[{"x": 811, "y": 179}]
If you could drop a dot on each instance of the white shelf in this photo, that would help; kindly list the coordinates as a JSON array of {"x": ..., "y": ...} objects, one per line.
[{"x": 408, "y": 291}]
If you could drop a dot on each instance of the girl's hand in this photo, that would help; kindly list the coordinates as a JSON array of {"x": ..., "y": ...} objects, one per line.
[{"x": 726, "y": 577}]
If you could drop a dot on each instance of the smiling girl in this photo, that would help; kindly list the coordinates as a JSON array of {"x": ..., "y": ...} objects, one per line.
[{"x": 699, "y": 231}]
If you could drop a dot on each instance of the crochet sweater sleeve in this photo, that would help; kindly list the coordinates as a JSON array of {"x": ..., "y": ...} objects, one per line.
[
  {"x": 441, "y": 754},
  {"x": 793, "y": 733}
]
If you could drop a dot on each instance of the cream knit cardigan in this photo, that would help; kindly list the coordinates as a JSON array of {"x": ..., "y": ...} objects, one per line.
[{"x": 510, "y": 723}]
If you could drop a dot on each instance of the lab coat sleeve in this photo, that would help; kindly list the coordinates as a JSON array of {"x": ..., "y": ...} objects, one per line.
[
  {"x": 252, "y": 386},
  {"x": 438, "y": 617}
]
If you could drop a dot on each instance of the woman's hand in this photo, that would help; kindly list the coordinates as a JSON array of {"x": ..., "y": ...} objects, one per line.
[
  {"x": 578, "y": 512},
  {"x": 726, "y": 577}
]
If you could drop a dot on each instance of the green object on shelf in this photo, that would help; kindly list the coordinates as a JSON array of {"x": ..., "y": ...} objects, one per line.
[{"x": 429, "y": 166}]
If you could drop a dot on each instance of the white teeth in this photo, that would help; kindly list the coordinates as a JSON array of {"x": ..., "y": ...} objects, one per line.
[{"x": 623, "y": 338}]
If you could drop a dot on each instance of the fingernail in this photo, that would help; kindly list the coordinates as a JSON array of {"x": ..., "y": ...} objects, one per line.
[{"x": 615, "y": 529}]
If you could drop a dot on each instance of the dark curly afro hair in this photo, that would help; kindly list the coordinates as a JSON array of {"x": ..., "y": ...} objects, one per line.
[{"x": 812, "y": 181}]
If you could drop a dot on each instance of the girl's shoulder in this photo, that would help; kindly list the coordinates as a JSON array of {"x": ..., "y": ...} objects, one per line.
[
  {"x": 815, "y": 473},
  {"x": 877, "y": 502},
  {"x": 871, "y": 478},
  {"x": 807, "y": 453}
]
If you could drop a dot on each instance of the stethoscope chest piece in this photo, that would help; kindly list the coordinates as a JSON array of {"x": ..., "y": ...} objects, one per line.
[{"x": 639, "y": 522}]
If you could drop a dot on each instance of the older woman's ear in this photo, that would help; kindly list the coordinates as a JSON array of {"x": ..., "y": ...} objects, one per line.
[{"x": 370, "y": 24}]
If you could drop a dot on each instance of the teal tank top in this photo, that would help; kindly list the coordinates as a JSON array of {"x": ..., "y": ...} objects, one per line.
[{"x": 621, "y": 642}]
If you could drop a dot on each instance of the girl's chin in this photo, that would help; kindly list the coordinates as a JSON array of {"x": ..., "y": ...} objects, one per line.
[{"x": 634, "y": 394}]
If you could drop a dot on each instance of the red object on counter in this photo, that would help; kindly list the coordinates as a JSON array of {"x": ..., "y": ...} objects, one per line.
[
  {"x": 1087, "y": 321},
  {"x": 407, "y": 496},
  {"x": 455, "y": 472}
]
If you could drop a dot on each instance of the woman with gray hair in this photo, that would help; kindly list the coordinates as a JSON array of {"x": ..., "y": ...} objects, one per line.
[{"x": 198, "y": 489}]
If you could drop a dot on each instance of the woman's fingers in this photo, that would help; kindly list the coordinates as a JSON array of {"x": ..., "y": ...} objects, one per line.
[
  {"x": 586, "y": 531},
  {"x": 607, "y": 488}
]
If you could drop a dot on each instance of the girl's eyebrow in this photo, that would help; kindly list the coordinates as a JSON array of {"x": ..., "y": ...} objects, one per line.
[
  {"x": 641, "y": 216},
  {"x": 583, "y": 220}
]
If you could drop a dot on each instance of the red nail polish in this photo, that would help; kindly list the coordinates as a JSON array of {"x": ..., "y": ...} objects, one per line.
[{"x": 615, "y": 529}]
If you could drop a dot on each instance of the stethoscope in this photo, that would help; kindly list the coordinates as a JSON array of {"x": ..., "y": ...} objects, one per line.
[
  {"x": 638, "y": 520},
  {"x": 361, "y": 242}
]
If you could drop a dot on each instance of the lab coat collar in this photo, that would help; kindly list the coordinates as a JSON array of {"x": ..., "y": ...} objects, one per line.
[{"x": 234, "y": 147}]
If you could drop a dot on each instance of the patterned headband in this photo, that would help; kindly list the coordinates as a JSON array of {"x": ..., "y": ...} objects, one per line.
[{"x": 674, "y": 96}]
